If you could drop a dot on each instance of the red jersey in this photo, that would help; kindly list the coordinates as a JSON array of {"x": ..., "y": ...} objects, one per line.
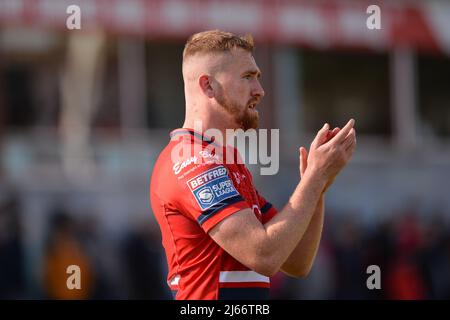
[{"x": 189, "y": 197}]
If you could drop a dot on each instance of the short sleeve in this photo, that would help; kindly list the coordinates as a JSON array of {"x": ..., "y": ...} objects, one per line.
[
  {"x": 207, "y": 194},
  {"x": 268, "y": 211}
]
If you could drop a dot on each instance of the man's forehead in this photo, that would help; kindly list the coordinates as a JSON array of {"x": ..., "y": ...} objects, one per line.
[
  {"x": 237, "y": 60},
  {"x": 242, "y": 59}
]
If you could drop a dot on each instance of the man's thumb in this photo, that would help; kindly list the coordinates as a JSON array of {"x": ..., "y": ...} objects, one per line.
[{"x": 303, "y": 160}]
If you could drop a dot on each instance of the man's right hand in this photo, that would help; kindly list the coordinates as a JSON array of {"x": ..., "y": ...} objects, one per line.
[{"x": 327, "y": 156}]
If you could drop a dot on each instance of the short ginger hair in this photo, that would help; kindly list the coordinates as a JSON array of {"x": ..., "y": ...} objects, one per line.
[{"x": 216, "y": 41}]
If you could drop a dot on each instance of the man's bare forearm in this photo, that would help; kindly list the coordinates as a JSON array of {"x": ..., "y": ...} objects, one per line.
[
  {"x": 301, "y": 259},
  {"x": 290, "y": 225}
]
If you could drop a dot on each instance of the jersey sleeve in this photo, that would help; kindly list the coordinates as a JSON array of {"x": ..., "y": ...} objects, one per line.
[
  {"x": 207, "y": 194},
  {"x": 268, "y": 211}
]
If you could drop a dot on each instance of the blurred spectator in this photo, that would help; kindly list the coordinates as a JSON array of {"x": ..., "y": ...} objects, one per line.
[
  {"x": 64, "y": 249},
  {"x": 435, "y": 259},
  {"x": 12, "y": 277},
  {"x": 350, "y": 271},
  {"x": 404, "y": 279},
  {"x": 378, "y": 252},
  {"x": 98, "y": 249},
  {"x": 143, "y": 261}
]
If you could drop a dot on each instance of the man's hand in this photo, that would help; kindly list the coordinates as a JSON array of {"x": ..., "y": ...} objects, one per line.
[
  {"x": 304, "y": 151},
  {"x": 304, "y": 156},
  {"x": 325, "y": 144}
]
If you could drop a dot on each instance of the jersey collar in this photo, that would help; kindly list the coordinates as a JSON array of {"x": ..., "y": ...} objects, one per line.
[
  {"x": 187, "y": 132},
  {"x": 192, "y": 133}
]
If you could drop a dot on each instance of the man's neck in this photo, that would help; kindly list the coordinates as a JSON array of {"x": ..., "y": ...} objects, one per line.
[
  {"x": 210, "y": 120},
  {"x": 210, "y": 128}
]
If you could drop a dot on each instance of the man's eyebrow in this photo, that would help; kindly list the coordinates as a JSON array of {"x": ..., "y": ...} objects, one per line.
[{"x": 252, "y": 72}]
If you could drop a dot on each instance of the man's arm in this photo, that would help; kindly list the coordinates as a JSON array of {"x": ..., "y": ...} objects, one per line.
[
  {"x": 300, "y": 261},
  {"x": 264, "y": 248}
]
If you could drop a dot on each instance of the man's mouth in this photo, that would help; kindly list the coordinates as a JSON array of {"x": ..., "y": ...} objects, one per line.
[{"x": 252, "y": 105}]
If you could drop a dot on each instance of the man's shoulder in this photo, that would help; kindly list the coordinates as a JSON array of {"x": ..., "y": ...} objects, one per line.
[{"x": 184, "y": 159}]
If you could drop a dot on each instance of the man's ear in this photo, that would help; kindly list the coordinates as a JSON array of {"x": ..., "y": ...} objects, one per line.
[{"x": 205, "y": 84}]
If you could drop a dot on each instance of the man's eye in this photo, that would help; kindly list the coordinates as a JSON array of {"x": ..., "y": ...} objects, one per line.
[{"x": 248, "y": 77}]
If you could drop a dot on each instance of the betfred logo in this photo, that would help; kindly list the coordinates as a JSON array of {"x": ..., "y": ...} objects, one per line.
[{"x": 207, "y": 176}]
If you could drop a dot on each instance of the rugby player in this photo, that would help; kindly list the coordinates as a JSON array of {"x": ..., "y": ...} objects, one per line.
[{"x": 222, "y": 239}]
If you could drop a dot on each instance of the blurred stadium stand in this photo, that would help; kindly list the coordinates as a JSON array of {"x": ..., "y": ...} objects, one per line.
[{"x": 84, "y": 114}]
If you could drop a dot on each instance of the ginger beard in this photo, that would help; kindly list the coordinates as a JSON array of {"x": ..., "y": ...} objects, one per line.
[{"x": 244, "y": 116}]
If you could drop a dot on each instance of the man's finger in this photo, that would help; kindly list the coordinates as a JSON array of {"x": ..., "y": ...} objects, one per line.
[
  {"x": 321, "y": 136},
  {"x": 349, "y": 140},
  {"x": 332, "y": 133},
  {"x": 351, "y": 146},
  {"x": 350, "y": 134},
  {"x": 335, "y": 131},
  {"x": 340, "y": 136},
  {"x": 305, "y": 158}
]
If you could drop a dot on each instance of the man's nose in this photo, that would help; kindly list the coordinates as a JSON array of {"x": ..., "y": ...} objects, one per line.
[{"x": 258, "y": 90}]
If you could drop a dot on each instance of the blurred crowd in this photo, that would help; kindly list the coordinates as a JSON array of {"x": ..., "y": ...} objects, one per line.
[
  {"x": 411, "y": 249},
  {"x": 130, "y": 266}
]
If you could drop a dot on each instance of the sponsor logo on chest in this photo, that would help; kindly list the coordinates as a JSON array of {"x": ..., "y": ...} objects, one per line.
[{"x": 177, "y": 167}]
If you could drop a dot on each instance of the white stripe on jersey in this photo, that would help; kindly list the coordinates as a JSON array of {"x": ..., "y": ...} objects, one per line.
[{"x": 242, "y": 276}]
